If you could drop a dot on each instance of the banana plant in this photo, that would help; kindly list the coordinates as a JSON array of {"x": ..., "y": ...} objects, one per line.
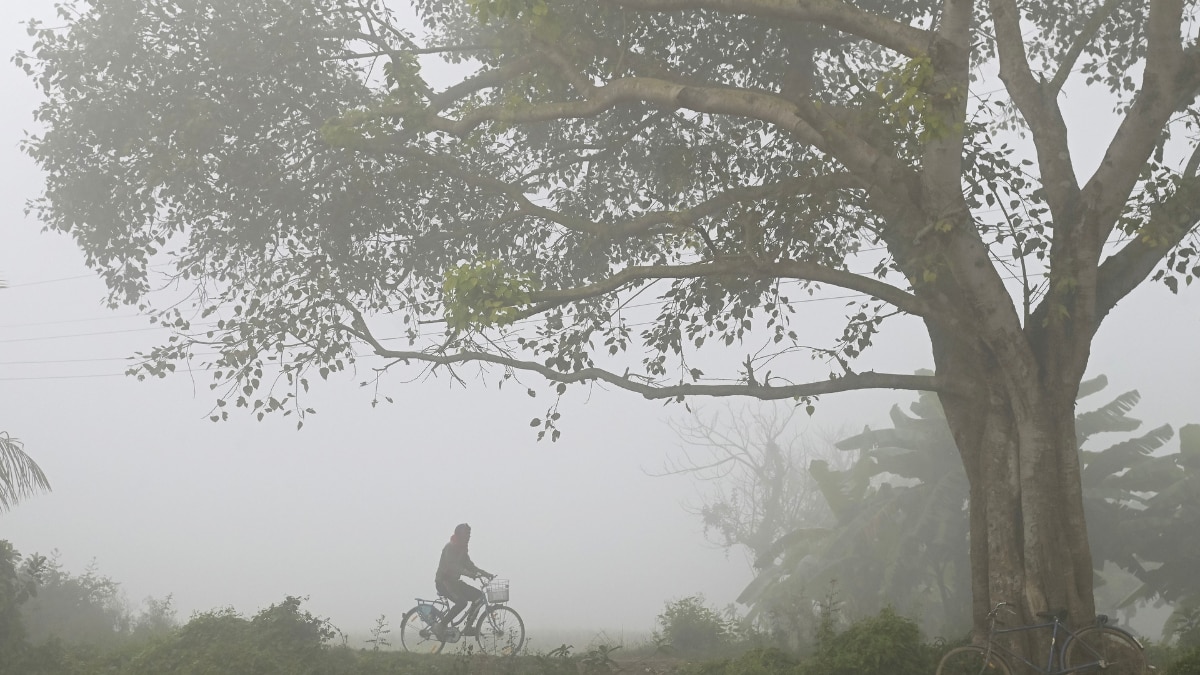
[{"x": 900, "y": 535}]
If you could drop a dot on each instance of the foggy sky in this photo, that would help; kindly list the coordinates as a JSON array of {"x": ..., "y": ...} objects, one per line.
[{"x": 353, "y": 509}]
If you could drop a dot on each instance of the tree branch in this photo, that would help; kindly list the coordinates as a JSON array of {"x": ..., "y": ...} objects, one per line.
[
  {"x": 744, "y": 266},
  {"x": 808, "y": 123},
  {"x": 655, "y": 391},
  {"x": 1039, "y": 107},
  {"x": 1090, "y": 29},
  {"x": 1125, "y": 269},
  {"x": 493, "y": 77},
  {"x": 1170, "y": 81},
  {"x": 630, "y": 227},
  {"x": 843, "y": 16}
]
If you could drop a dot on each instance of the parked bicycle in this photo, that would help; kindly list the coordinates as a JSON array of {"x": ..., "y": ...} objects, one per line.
[
  {"x": 1095, "y": 649},
  {"x": 496, "y": 627}
]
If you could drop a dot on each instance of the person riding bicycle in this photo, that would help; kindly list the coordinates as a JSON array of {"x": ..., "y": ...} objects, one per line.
[{"x": 454, "y": 563}]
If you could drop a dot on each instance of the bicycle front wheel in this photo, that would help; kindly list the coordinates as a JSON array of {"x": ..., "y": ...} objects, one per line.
[
  {"x": 417, "y": 636},
  {"x": 972, "y": 660},
  {"x": 1104, "y": 649},
  {"x": 500, "y": 631}
]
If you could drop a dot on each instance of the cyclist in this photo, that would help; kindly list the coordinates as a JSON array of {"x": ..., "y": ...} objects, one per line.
[{"x": 454, "y": 563}]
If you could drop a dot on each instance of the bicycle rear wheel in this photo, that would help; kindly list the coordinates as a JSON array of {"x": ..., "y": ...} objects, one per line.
[
  {"x": 1104, "y": 649},
  {"x": 972, "y": 660},
  {"x": 501, "y": 632},
  {"x": 417, "y": 636}
]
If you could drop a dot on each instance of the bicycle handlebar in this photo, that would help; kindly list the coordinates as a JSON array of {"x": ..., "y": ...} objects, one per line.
[{"x": 1000, "y": 605}]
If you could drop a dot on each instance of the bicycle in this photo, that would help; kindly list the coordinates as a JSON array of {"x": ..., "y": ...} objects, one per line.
[
  {"x": 1099, "y": 648},
  {"x": 496, "y": 627}
]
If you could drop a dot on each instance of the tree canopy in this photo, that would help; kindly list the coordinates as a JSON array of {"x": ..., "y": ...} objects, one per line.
[{"x": 638, "y": 194}]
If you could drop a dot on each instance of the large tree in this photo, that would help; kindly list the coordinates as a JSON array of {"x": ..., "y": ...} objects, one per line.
[{"x": 615, "y": 180}]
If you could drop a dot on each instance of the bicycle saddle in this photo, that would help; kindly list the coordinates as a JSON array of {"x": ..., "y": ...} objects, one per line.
[{"x": 1060, "y": 614}]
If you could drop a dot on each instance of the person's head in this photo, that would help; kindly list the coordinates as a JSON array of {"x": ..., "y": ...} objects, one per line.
[{"x": 462, "y": 533}]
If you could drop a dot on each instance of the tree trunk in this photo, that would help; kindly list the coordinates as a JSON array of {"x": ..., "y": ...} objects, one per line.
[{"x": 1015, "y": 430}]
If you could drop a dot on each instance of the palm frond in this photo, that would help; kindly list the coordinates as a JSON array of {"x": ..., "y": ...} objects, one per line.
[{"x": 20, "y": 476}]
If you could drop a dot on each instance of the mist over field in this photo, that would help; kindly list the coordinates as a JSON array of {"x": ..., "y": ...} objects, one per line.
[{"x": 351, "y": 511}]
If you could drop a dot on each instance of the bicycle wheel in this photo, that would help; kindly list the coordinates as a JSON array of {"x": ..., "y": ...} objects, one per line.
[
  {"x": 500, "y": 631},
  {"x": 972, "y": 660},
  {"x": 417, "y": 636},
  {"x": 1104, "y": 648}
]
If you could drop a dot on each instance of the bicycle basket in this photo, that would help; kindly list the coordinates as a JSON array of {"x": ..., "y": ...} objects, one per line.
[{"x": 497, "y": 590}]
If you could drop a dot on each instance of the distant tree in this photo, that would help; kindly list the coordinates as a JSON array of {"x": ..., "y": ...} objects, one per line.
[
  {"x": 156, "y": 618},
  {"x": 289, "y": 163},
  {"x": 18, "y": 583},
  {"x": 751, "y": 466},
  {"x": 83, "y": 608}
]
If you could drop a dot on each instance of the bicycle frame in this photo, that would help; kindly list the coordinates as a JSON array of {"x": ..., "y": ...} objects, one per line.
[
  {"x": 1058, "y": 630},
  {"x": 469, "y": 616},
  {"x": 1054, "y": 624}
]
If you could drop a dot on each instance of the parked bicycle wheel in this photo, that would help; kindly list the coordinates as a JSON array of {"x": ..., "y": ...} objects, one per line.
[
  {"x": 501, "y": 631},
  {"x": 1110, "y": 650},
  {"x": 417, "y": 636},
  {"x": 972, "y": 660}
]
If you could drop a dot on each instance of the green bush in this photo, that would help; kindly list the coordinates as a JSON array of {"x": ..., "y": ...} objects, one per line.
[
  {"x": 1186, "y": 662},
  {"x": 759, "y": 661},
  {"x": 885, "y": 644},
  {"x": 692, "y": 628},
  {"x": 279, "y": 639}
]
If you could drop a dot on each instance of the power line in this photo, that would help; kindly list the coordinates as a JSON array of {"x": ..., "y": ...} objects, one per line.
[
  {"x": 79, "y": 335},
  {"x": 33, "y": 324},
  {"x": 59, "y": 377},
  {"x": 55, "y": 361},
  {"x": 51, "y": 281}
]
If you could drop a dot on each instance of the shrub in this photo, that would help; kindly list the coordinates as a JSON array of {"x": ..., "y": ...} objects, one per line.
[
  {"x": 1186, "y": 662},
  {"x": 759, "y": 661},
  {"x": 885, "y": 644},
  {"x": 691, "y": 628}
]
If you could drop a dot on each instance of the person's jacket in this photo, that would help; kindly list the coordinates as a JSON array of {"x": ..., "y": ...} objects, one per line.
[{"x": 455, "y": 562}]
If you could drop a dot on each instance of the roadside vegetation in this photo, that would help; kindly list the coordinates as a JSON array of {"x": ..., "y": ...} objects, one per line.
[{"x": 58, "y": 623}]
